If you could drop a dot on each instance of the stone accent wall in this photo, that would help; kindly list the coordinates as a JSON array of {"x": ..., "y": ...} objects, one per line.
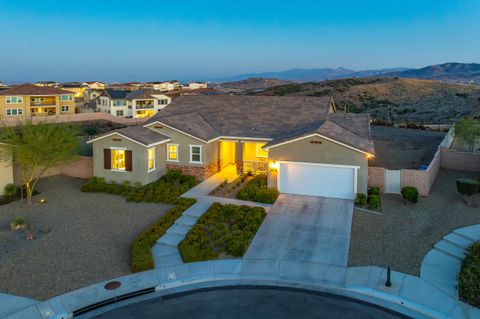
[
  {"x": 81, "y": 167},
  {"x": 462, "y": 161},
  {"x": 376, "y": 177},
  {"x": 200, "y": 172},
  {"x": 239, "y": 165}
]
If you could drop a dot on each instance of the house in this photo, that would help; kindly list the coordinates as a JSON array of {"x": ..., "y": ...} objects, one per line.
[
  {"x": 164, "y": 86},
  {"x": 301, "y": 143},
  {"x": 97, "y": 85},
  {"x": 136, "y": 104},
  {"x": 197, "y": 85},
  {"x": 32, "y": 100},
  {"x": 75, "y": 87},
  {"x": 91, "y": 94},
  {"x": 47, "y": 83}
]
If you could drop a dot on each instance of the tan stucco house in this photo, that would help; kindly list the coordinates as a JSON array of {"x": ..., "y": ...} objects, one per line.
[{"x": 301, "y": 143}]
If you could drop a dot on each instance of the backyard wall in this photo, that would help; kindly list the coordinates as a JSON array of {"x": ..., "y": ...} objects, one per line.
[
  {"x": 81, "y": 167},
  {"x": 462, "y": 161},
  {"x": 376, "y": 177}
]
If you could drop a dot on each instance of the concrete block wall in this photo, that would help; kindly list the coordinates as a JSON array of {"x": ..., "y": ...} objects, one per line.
[
  {"x": 462, "y": 161},
  {"x": 376, "y": 177}
]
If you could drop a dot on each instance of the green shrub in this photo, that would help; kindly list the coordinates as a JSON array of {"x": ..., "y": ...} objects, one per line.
[
  {"x": 468, "y": 187},
  {"x": 374, "y": 191},
  {"x": 469, "y": 276},
  {"x": 410, "y": 194},
  {"x": 222, "y": 229},
  {"x": 141, "y": 253},
  {"x": 18, "y": 223},
  {"x": 361, "y": 199},
  {"x": 10, "y": 190},
  {"x": 374, "y": 201},
  {"x": 256, "y": 190}
]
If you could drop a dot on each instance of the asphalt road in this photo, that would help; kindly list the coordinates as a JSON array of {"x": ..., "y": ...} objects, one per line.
[{"x": 250, "y": 303}]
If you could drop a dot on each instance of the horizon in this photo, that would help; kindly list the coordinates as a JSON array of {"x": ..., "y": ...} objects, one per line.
[{"x": 114, "y": 42}]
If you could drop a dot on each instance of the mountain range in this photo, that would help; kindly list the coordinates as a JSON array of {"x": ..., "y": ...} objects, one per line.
[{"x": 448, "y": 72}]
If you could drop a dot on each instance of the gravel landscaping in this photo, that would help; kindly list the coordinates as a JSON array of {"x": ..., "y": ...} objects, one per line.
[
  {"x": 79, "y": 239},
  {"x": 402, "y": 235}
]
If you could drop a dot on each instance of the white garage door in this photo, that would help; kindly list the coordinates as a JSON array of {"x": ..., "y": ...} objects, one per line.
[{"x": 317, "y": 180}]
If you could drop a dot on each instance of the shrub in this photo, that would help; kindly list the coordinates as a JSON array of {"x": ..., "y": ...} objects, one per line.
[
  {"x": 141, "y": 253},
  {"x": 18, "y": 223},
  {"x": 256, "y": 190},
  {"x": 468, "y": 187},
  {"x": 410, "y": 194},
  {"x": 374, "y": 191},
  {"x": 469, "y": 276},
  {"x": 10, "y": 190},
  {"x": 374, "y": 201},
  {"x": 361, "y": 199}
]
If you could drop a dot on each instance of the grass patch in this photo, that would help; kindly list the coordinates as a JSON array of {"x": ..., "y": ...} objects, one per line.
[
  {"x": 141, "y": 250},
  {"x": 222, "y": 229},
  {"x": 166, "y": 190},
  {"x": 469, "y": 277},
  {"x": 14, "y": 194},
  {"x": 256, "y": 190}
]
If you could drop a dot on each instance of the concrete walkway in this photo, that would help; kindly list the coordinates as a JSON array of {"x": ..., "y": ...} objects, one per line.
[
  {"x": 305, "y": 228},
  {"x": 165, "y": 251},
  {"x": 11, "y": 304},
  {"x": 441, "y": 265}
]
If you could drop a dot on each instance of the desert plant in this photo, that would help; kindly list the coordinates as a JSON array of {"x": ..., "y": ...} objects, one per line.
[
  {"x": 10, "y": 190},
  {"x": 467, "y": 130},
  {"x": 467, "y": 187},
  {"x": 374, "y": 201},
  {"x": 18, "y": 223},
  {"x": 361, "y": 199},
  {"x": 374, "y": 191},
  {"x": 410, "y": 193},
  {"x": 469, "y": 276}
]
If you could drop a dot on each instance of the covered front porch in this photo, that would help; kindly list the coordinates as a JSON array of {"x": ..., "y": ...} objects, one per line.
[{"x": 247, "y": 156}]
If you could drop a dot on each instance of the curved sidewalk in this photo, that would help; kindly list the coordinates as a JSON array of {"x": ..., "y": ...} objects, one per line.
[
  {"x": 408, "y": 294},
  {"x": 441, "y": 265}
]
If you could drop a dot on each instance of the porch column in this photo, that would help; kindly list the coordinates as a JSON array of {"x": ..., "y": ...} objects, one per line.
[{"x": 239, "y": 157}]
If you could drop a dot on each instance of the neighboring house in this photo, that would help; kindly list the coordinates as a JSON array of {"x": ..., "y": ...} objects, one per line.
[
  {"x": 197, "y": 85},
  {"x": 47, "y": 83},
  {"x": 302, "y": 145},
  {"x": 92, "y": 94},
  {"x": 77, "y": 88},
  {"x": 164, "y": 86},
  {"x": 32, "y": 100},
  {"x": 97, "y": 85},
  {"x": 136, "y": 104}
]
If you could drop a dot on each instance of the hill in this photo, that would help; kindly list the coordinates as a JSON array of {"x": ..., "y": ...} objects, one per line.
[
  {"x": 453, "y": 72},
  {"x": 393, "y": 99},
  {"x": 249, "y": 85}
]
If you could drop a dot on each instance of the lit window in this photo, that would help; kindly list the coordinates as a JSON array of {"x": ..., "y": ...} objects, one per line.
[
  {"x": 118, "y": 160},
  {"x": 66, "y": 98},
  {"x": 259, "y": 151},
  {"x": 172, "y": 150},
  {"x": 195, "y": 154},
  {"x": 64, "y": 108},
  {"x": 151, "y": 159}
]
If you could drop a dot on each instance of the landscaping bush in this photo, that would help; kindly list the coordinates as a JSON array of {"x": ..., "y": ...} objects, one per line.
[
  {"x": 468, "y": 187},
  {"x": 374, "y": 201},
  {"x": 18, "y": 223},
  {"x": 469, "y": 276},
  {"x": 10, "y": 190},
  {"x": 410, "y": 194},
  {"x": 256, "y": 190},
  {"x": 141, "y": 253},
  {"x": 374, "y": 191},
  {"x": 166, "y": 190},
  {"x": 222, "y": 229},
  {"x": 361, "y": 199}
]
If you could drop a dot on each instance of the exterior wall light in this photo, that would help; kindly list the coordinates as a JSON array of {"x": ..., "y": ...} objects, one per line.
[
  {"x": 274, "y": 165},
  {"x": 369, "y": 156}
]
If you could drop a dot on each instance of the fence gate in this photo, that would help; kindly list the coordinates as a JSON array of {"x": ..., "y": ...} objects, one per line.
[{"x": 392, "y": 182}]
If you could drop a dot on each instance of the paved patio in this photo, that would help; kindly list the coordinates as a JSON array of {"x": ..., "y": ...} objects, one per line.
[{"x": 305, "y": 228}]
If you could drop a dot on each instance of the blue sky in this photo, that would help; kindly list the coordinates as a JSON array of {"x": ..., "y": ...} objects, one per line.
[{"x": 155, "y": 40}]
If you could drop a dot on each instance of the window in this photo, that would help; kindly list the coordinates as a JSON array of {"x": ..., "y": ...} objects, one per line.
[
  {"x": 118, "y": 159},
  {"x": 64, "y": 108},
  {"x": 66, "y": 98},
  {"x": 172, "y": 152},
  {"x": 14, "y": 112},
  {"x": 195, "y": 154},
  {"x": 151, "y": 159},
  {"x": 14, "y": 99},
  {"x": 119, "y": 112},
  {"x": 259, "y": 151},
  {"x": 163, "y": 102}
]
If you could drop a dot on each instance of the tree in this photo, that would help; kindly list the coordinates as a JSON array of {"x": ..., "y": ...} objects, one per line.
[
  {"x": 467, "y": 130},
  {"x": 36, "y": 147}
]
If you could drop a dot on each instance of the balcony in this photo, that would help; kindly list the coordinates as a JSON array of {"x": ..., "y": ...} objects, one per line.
[
  {"x": 43, "y": 101},
  {"x": 144, "y": 106}
]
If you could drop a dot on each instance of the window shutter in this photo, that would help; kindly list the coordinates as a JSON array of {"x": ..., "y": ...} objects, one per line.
[
  {"x": 107, "y": 158},
  {"x": 128, "y": 161}
]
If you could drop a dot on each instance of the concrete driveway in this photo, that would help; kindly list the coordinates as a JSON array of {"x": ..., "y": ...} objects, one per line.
[{"x": 307, "y": 228}]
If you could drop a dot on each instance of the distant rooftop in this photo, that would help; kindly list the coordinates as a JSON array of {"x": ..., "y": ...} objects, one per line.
[{"x": 31, "y": 89}]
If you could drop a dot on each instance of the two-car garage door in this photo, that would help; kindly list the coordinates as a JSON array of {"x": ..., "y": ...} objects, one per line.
[{"x": 335, "y": 181}]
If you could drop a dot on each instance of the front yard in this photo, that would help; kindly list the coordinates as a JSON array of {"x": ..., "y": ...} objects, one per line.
[
  {"x": 402, "y": 235},
  {"x": 79, "y": 238}
]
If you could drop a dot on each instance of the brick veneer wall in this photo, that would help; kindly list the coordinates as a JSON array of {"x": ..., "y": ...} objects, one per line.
[
  {"x": 200, "y": 172},
  {"x": 376, "y": 177},
  {"x": 462, "y": 161},
  {"x": 81, "y": 167}
]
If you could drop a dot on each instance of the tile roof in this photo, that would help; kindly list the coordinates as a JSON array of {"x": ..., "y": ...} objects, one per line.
[
  {"x": 271, "y": 117},
  {"x": 140, "y": 134},
  {"x": 31, "y": 89}
]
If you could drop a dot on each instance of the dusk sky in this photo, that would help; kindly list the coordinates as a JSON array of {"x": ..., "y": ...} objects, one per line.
[{"x": 203, "y": 40}]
